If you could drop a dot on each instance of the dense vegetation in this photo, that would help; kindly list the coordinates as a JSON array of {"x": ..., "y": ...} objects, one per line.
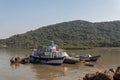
[{"x": 74, "y": 34}]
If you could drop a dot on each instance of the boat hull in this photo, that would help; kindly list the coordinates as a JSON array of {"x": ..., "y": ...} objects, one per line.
[
  {"x": 71, "y": 60},
  {"x": 52, "y": 61},
  {"x": 94, "y": 58}
]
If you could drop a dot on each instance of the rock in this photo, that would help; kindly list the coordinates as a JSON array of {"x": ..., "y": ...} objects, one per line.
[
  {"x": 110, "y": 74},
  {"x": 112, "y": 70},
  {"x": 15, "y": 60},
  {"x": 117, "y": 74},
  {"x": 12, "y": 60},
  {"x": 89, "y": 76},
  {"x": 25, "y": 60},
  {"x": 103, "y": 76}
]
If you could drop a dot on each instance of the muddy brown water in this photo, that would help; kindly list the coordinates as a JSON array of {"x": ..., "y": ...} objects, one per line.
[{"x": 110, "y": 58}]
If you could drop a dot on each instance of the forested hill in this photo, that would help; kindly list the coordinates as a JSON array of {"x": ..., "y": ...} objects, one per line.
[{"x": 72, "y": 34}]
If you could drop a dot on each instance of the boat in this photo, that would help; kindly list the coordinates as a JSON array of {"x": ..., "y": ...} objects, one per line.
[
  {"x": 94, "y": 58},
  {"x": 69, "y": 59},
  {"x": 50, "y": 55},
  {"x": 89, "y": 64},
  {"x": 88, "y": 57}
]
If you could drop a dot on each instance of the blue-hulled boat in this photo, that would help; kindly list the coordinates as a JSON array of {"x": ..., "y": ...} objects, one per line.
[{"x": 88, "y": 57}]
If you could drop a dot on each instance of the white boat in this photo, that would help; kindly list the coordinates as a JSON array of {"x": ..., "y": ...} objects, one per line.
[{"x": 50, "y": 55}]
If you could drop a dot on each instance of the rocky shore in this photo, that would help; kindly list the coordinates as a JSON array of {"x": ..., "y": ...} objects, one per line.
[{"x": 111, "y": 74}]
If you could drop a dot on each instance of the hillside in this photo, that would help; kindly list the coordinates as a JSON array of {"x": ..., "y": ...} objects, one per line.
[{"x": 72, "y": 34}]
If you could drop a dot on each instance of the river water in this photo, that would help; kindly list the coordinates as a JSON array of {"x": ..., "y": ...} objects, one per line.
[{"x": 110, "y": 58}]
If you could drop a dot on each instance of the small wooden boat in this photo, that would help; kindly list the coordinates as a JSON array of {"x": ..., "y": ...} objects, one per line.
[{"x": 89, "y": 64}]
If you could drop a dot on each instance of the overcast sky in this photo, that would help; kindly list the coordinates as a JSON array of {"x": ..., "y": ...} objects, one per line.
[{"x": 20, "y": 16}]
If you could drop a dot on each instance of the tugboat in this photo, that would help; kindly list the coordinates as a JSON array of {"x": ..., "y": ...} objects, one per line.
[{"x": 50, "y": 55}]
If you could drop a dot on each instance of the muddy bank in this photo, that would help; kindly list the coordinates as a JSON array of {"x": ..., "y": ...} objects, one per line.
[{"x": 111, "y": 74}]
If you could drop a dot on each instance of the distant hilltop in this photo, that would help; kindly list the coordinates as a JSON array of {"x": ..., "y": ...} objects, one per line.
[{"x": 70, "y": 35}]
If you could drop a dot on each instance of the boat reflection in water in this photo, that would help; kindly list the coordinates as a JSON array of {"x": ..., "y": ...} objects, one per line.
[
  {"x": 63, "y": 72},
  {"x": 48, "y": 72},
  {"x": 44, "y": 72}
]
